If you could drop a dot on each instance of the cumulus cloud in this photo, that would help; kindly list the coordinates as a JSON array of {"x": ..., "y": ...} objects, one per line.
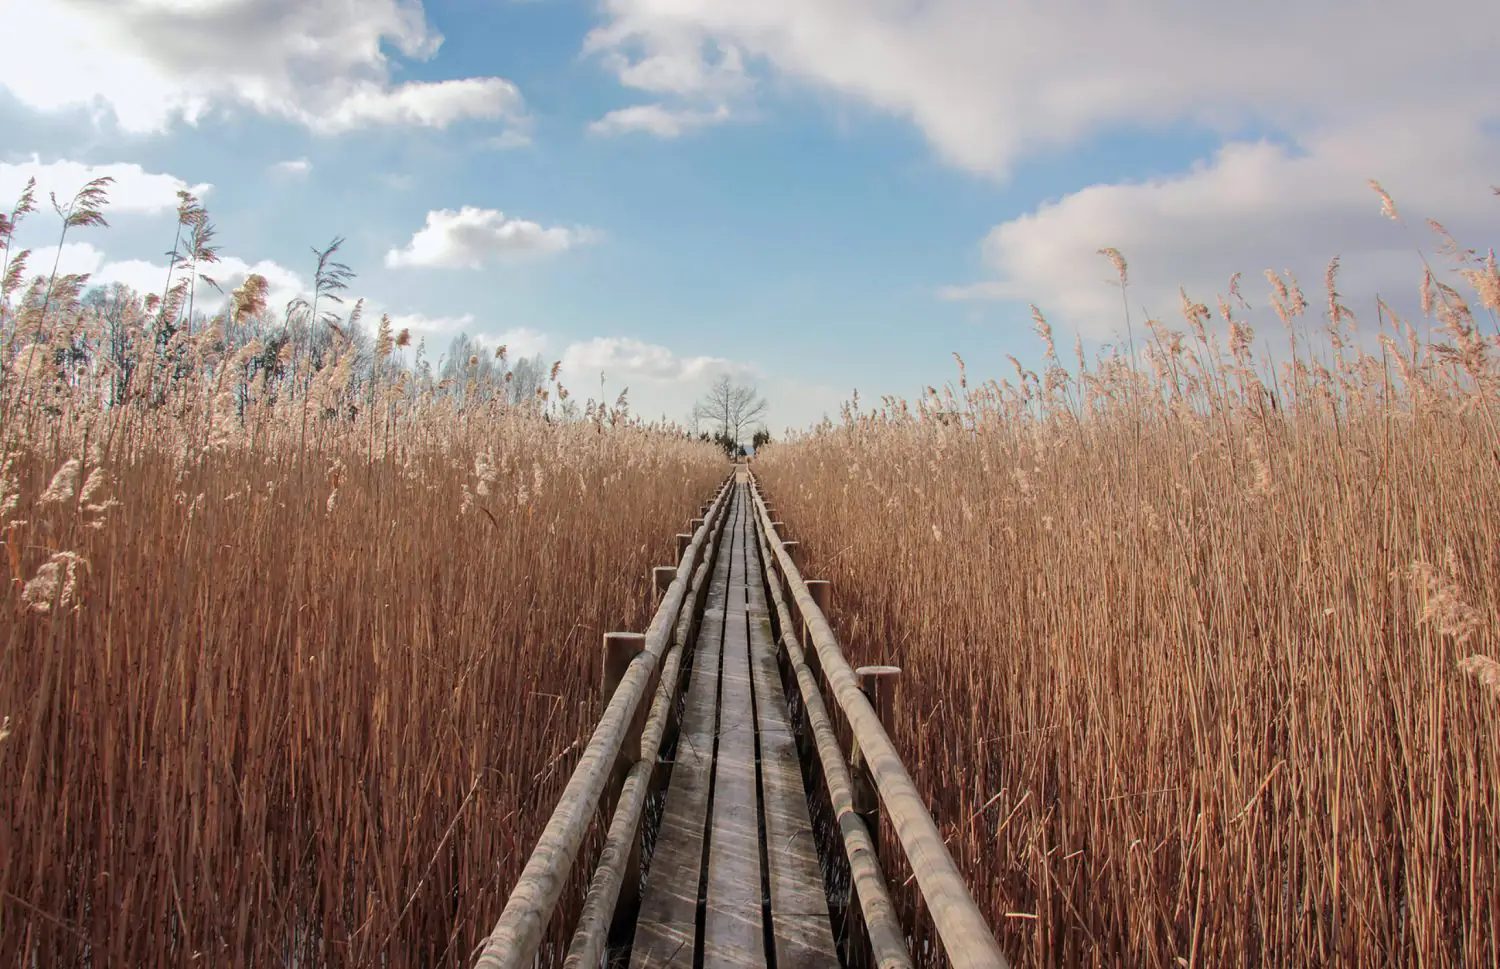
[
  {"x": 134, "y": 189},
  {"x": 421, "y": 324},
  {"x": 438, "y": 331},
  {"x": 520, "y": 342},
  {"x": 670, "y": 62},
  {"x": 146, "y": 277},
  {"x": 626, "y": 358},
  {"x": 1253, "y": 206},
  {"x": 323, "y": 63},
  {"x": 658, "y": 120},
  {"x": 988, "y": 82},
  {"x": 471, "y": 236},
  {"x": 1354, "y": 90},
  {"x": 73, "y": 258},
  {"x": 436, "y": 104}
]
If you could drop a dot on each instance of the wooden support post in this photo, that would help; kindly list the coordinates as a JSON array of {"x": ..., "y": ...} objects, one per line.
[
  {"x": 661, "y": 580},
  {"x": 696, "y": 524},
  {"x": 683, "y": 541},
  {"x": 620, "y": 649},
  {"x": 819, "y": 590},
  {"x": 780, "y": 527},
  {"x": 791, "y": 550},
  {"x": 878, "y": 683}
]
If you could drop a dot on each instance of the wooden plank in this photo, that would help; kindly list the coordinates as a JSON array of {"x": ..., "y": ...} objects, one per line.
[
  {"x": 803, "y": 931},
  {"x": 733, "y": 930},
  {"x": 666, "y": 926}
]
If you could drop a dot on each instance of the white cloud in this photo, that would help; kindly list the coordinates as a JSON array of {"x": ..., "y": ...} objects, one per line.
[
  {"x": 520, "y": 342},
  {"x": 146, "y": 277},
  {"x": 134, "y": 188},
  {"x": 292, "y": 168},
  {"x": 73, "y": 258},
  {"x": 436, "y": 104},
  {"x": 628, "y": 359},
  {"x": 988, "y": 82},
  {"x": 660, "y": 380},
  {"x": 432, "y": 326},
  {"x": 323, "y": 63},
  {"x": 1254, "y": 206},
  {"x": 471, "y": 236},
  {"x": 658, "y": 120},
  {"x": 439, "y": 332},
  {"x": 674, "y": 62}
]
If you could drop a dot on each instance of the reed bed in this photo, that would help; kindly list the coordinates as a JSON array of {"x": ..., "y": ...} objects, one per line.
[
  {"x": 300, "y": 644},
  {"x": 1199, "y": 653}
]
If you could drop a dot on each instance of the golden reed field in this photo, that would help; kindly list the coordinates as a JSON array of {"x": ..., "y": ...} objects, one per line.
[
  {"x": 1200, "y": 659},
  {"x": 1201, "y": 664},
  {"x": 281, "y": 685}
]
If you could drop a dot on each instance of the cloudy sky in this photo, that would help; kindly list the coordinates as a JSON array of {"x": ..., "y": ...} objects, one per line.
[{"x": 816, "y": 195}]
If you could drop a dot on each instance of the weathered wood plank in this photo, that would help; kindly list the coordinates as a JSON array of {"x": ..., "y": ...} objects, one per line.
[
  {"x": 667, "y": 924},
  {"x": 733, "y": 931},
  {"x": 803, "y": 932}
]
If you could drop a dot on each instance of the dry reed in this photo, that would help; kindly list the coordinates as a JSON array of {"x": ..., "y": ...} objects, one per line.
[
  {"x": 1199, "y": 662},
  {"x": 300, "y": 645}
]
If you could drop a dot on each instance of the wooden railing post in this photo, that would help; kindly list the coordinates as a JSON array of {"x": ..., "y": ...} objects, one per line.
[
  {"x": 620, "y": 650},
  {"x": 661, "y": 580},
  {"x": 683, "y": 541},
  {"x": 878, "y": 683},
  {"x": 819, "y": 589}
]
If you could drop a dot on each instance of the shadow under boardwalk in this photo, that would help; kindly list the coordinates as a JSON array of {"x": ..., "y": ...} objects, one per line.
[{"x": 734, "y": 878}]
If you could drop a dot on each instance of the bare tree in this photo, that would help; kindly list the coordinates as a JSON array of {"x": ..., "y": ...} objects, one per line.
[{"x": 729, "y": 408}]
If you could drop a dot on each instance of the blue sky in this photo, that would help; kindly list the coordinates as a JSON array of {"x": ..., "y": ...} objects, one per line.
[{"x": 813, "y": 195}]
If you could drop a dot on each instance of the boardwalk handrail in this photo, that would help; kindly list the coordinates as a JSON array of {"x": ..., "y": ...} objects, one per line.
[
  {"x": 591, "y": 936},
  {"x": 514, "y": 941},
  {"x": 965, "y": 934},
  {"x": 883, "y": 928}
]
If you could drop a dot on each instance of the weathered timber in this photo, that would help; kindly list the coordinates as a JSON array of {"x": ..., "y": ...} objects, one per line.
[
  {"x": 966, "y": 936},
  {"x": 613, "y": 895},
  {"x": 733, "y": 924},
  {"x": 801, "y": 931},
  {"x": 883, "y": 927},
  {"x": 666, "y": 928},
  {"x": 514, "y": 940},
  {"x": 879, "y": 686}
]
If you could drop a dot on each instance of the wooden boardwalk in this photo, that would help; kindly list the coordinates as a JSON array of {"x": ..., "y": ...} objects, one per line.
[{"x": 735, "y": 879}]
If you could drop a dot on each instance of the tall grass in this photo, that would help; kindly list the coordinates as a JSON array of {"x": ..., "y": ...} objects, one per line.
[
  {"x": 1200, "y": 657},
  {"x": 299, "y": 648}
]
